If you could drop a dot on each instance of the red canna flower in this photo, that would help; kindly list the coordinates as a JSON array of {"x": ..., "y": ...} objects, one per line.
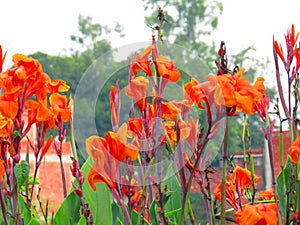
[
  {"x": 141, "y": 62},
  {"x": 258, "y": 214},
  {"x": 295, "y": 151}
]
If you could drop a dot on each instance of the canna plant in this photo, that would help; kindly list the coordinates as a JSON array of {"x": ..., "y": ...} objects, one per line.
[{"x": 143, "y": 169}]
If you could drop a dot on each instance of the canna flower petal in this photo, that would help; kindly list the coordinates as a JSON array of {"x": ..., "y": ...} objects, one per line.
[
  {"x": 2, "y": 58},
  {"x": 169, "y": 110},
  {"x": 115, "y": 106},
  {"x": 242, "y": 178},
  {"x": 141, "y": 62},
  {"x": 138, "y": 89},
  {"x": 295, "y": 151},
  {"x": 59, "y": 104},
  {"x": 8, "y": 107},
  {"x": 166, "y": 68},
  {"x": 229, "y": 193},
  {"x": 2, "y": 169},
  {"x": 258, "y": 214},
  {"x": 266, "y": 194}
]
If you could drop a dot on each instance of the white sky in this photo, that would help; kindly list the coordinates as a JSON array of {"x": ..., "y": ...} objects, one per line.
[{"x": 44, "y": 25}]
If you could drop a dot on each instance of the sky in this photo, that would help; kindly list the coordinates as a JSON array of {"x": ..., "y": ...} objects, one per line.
[{"x": 43, "y": 25}]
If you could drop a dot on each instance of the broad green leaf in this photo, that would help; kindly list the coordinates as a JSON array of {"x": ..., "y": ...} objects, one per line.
[
  {"x": 119, "y": 222},
  {"x": 152, "y": 212},
  {"x": 33, "y": 222},
  {"x": 99, "y": 200},
  {"x": 82, "y": 221},
  {"x": 69, "y": 211},
  {"x": 25, "y": 211},
  {"x": 173, "y": 203},
  {"x": 281, "y": 193},
  {"x": 284, "y": 184},
  {"x": 117, "y": 212},
  {"x": 136, "y": 218},
  {"x": 21, "y": 171}
]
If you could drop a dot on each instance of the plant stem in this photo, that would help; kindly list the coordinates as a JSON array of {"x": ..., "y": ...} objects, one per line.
[
  {"x": 224, "y": 173},
  {"x": 63, "y": 177},
  {"x": 3, "y": 208},
  {"x": 124, "y": 209}
]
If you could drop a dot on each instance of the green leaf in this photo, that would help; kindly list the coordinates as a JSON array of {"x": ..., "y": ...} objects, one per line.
[
  {"x": 69, "y": 211},
  {"x": 33, "y": 222},
  {"x": 281, "y": 193},
  {"x": 82, "y": 221},
  {"x": 173, "y": 203},
  {"x": 136, "y": 218},
  {"x": 99, "y": 200},
  {"x": 119, "y": 222},
  {"x": 152, "y": 212},
  {"x": 21, "y": 171},
  {"x": 117, "y": 212},
  {"x": 284, "y": 184},
  {"x": 25, "y": 211}
]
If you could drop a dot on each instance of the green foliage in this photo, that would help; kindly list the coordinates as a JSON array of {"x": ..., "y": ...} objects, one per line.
[
  {"x": 21, "y": 171},
  {"x": 69, "y": 211},
  {"x": 284, "y": 184},
  {"x": 99, "y": 200}
]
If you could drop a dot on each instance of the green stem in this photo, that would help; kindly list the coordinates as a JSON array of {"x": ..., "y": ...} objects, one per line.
[{"x": 224, "y": 173}]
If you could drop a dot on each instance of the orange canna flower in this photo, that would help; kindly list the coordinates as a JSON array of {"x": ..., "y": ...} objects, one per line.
[
  {"x": 55, "y": 86},
  {"x": 169, "y": 110},
  {"x": 258, "y": 214},
  {"x": 138, "y": 89},
  {"x": 5, "y": 125},
  {"x": 136, "y": 126},
  {"x": 115, "y": 106},
  {"x": 201, "y": 92},
  {"x": 107, "y": 154},
  {"x": 38, "y": 112},
  {"x": 46, "y": 146},
  {"x": 9, "y": 107},
  {"x": 166, "y": 68},
  {"x": 141, "y": 62},
  {"x": 297, "y": 56},
  {"x": 242, "y": 178},
  {"x": 229, "y": 194},
  {"x": 27, "y": 68},
  {"x": 2, "y": 58},
  {"x": 2, "y": 168},
  {"x": 295, "y": 151},
  {"x": 266, "y": 194},
  {"x": 59, "y": 104},
  {"x": 279, "y": 51},
  {"x": 105, "y": 166},
  {"x": 236, "y": 91}
]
